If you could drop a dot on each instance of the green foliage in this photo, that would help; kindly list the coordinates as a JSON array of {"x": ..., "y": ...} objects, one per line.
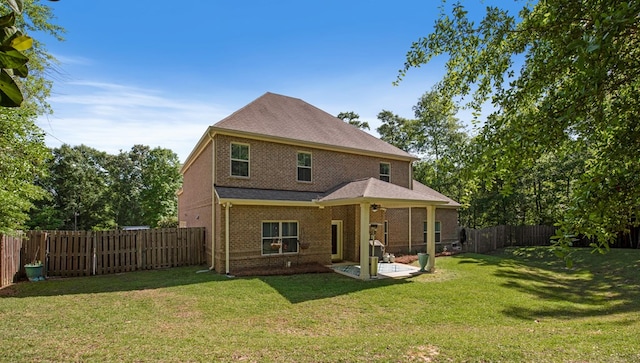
[
  {"x": 438, "y": 137},
  {"x": 168, "y": 222},
  {"x": 562, "y": 78},
  {"x": 352, "y": 118},
  {"x": 22, "y": 158},
  {"x": 395, "y": 130},
  {"x": 161, "y": 179},
  {"x": 23, "y": 154},
  {"x": 12, "y": 61},
  {"x": 92, "y": 190}
]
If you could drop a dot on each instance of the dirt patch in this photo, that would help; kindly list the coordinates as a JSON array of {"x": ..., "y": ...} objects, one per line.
[
  {"x": 293, "y": 270},
  {"x": 407, "y": 259},
  {"x": 8, "y": 291}
]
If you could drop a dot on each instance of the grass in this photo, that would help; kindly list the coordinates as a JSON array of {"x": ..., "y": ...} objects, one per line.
[{"x": 518, "y": 305}]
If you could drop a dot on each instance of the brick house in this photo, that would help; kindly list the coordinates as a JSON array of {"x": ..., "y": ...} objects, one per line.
[{"x": 282, "y": 182}]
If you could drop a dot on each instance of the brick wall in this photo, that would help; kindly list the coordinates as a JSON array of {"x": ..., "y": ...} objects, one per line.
[
  {"x": 245, "y": 239},
  {"x": 274, "y": 166},
  {"x": 194, "y": 202}
]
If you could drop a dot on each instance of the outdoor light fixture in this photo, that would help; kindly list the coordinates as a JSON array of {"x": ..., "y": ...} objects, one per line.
[{"x": 374, "y": 207}]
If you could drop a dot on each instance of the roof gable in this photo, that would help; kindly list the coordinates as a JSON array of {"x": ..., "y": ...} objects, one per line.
[{"x": 283, "y": 117}]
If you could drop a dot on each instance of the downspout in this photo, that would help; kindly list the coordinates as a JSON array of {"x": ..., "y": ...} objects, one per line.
[
  {"x": 226, "y": 236},
  {"x": 409, "y": 230},
  {"x": 213, "y": 202}
]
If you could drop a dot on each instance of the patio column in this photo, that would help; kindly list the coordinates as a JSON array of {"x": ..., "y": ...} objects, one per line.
[
  {"x": 431, "y": 237},
  {"x": 364, "y": 241}
]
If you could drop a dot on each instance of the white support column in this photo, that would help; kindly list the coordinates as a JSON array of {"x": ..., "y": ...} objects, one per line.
[
  {"x": 431, "y": 237},
  {"x": 364, "y": 241}
]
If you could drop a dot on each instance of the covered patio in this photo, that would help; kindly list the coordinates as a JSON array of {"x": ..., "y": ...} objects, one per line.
[{"x": 372, "y": 193}]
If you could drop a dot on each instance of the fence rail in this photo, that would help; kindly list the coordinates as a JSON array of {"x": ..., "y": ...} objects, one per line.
[
  {"x": 84, "y": 253},
  {"x": 493, "y": 238}
]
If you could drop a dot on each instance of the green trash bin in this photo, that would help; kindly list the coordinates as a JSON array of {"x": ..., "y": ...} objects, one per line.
[{"x": 373, "y": 266}]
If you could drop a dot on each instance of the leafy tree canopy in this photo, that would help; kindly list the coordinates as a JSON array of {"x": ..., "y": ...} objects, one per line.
[
  {"x": 561, "y": 76},
  {"x": 23, "y": 154},
  {"x": 89, "y": 189}
]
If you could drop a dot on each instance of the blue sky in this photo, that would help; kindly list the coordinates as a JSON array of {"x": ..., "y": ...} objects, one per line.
[{"x": 159, "y": 72}]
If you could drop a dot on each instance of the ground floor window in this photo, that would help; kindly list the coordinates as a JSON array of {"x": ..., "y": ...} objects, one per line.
[
  {"x": 437, "y": 232},
  {"x": 279, "y": 237},
  {"x": 386, "y": 233}
]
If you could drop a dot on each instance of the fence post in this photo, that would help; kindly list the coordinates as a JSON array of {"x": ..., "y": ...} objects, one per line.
[{"x": 139, "y": 243}]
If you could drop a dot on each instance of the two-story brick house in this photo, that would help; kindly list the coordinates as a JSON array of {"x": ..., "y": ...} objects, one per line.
[{"x": 280, "y": 181}]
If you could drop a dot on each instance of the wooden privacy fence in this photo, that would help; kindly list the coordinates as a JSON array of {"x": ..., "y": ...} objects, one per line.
[
  {"x": 83, "y": 253},
  {"x": 15, "y": 252},
  {"x": 9, "y": 258},
  {"x": 492, "y": 238}
]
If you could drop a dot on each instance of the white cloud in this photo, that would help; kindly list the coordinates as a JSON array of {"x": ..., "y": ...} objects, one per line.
[{"x": 113, "y": 117}]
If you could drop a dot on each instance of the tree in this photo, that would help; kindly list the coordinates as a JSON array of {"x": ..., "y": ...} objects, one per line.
[
  {"x": 576, "y": 90},
  {"x": 161, "y": 180},
  {"x": 437, "y": 137},
  {"x": 441, "y": 141},
  {"x": 23, "y": 154},
  {"x": 395, "y": 130},
  {"x": 125, "y": 185},
  {"x": 89, "y": 189},
  {"x": 80, "y": 193},
  {"x": 353, "y": 118},
  {"x": 143, "y": 185}
]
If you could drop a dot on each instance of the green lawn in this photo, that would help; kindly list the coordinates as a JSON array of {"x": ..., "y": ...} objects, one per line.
[{"x": 521, "y": 305}]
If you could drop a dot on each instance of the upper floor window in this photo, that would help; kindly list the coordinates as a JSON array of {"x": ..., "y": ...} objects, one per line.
[
  {"x": 437, "y": 232},
  {"x": 279, "y": 237},
  {"x": 385, "y": 172},
  {"x": 304, "y": 167},
  {"x": 240, "y": 160}
]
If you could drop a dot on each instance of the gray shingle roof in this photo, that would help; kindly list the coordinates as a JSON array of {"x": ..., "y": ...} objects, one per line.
[
  {"x": 364, "y": 190},
  {"x": 265, "y": 194},
  {"x": 291, "y": 118},
  {"x": 376, "y": 190}
]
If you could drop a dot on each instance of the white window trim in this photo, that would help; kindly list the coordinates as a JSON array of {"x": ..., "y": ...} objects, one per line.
[
  {"x": 231, "y": 160},
  {"x": 279, "y": 253},
  {"x": 309, "y": 167},
  {"x": 387, "y": 175},
  {"x": 386, "y": 233},
  {"x": 424, "y": 232}
]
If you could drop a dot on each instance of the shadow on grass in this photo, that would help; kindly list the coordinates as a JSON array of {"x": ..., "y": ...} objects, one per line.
[
  {"x": 597, "y": 285},
  {"x": 128, "y": 281},
  {"x": 306, "y": 287},
  {"x": 295, "y": 288}
]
